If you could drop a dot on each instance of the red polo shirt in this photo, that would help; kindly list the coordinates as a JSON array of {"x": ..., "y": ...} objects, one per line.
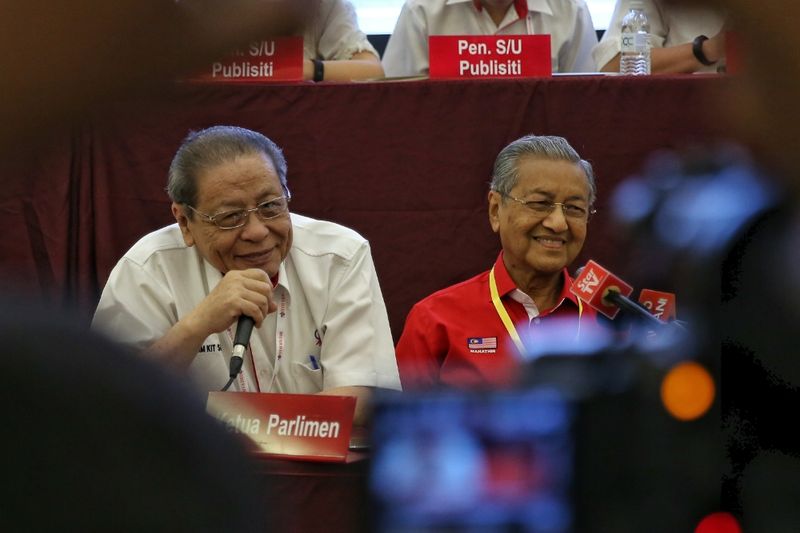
[{"x": 455, "y": 336}]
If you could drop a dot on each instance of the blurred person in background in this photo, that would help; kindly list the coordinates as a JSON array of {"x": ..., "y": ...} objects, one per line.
[
  {"x": 475, "y": 333},
  {"x": 335, "y": 49},
  {"x": 568, "y": 22},
  {"x": 684, "y": 39}
]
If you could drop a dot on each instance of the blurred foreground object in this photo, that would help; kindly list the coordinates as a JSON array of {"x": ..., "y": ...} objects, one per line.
[
  {"x": 727, "y": 237},
  {"x": 97, "y": 439},
  {"x": 58, "y": 60}
]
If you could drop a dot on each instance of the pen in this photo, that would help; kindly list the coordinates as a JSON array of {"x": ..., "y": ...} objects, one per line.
[{"x": 314, "y": 363}]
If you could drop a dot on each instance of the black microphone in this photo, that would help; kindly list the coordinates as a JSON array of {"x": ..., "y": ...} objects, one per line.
[{"x": 244, "y": 327}]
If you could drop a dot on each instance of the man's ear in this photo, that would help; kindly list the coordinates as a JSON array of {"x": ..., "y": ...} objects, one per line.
[
  {"x": 179, "y": 212},
  {"x": 494, "y": 210}
]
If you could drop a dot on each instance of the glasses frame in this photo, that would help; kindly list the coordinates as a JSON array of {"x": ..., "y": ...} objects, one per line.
[
  {"x": 214, "y": 219},
  {"x": 526, "y": 203}
]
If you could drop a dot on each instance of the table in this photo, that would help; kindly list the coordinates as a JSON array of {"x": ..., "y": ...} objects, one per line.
[{"x": 304, "y": 496}]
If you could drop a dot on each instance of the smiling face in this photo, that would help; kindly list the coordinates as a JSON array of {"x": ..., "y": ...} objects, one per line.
[
  {"x": 240, "y": 183},
  {"x": 534, "y": 244}
]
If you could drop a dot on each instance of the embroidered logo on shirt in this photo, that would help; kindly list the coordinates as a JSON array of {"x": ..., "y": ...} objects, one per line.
[
  {"x": 482, "y": 344},
  {"x": 318, "y": 341}
]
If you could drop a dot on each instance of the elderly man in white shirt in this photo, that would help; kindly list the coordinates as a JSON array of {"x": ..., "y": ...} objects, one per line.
[
  {"x": 310, "y": 286},
  {"x": 568, "y": 22}
]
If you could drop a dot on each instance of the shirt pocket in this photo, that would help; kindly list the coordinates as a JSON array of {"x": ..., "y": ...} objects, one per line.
[{"x": 307, "y": 375}]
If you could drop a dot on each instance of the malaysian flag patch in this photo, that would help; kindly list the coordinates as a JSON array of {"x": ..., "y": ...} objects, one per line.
[{"x": 482, "y": 344}]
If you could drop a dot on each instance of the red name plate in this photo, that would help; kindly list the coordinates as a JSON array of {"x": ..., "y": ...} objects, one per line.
[
  {"x": 300, "y": 426},
  {"x": 489, "y": 56},
  {"x": 279, "y": 59},
  {"x": 594, "y": 284}
]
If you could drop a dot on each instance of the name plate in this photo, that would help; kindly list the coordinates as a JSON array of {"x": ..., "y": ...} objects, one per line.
[
  {"x": 279, "y": 59},
  {"x": 299, "y": 426},
  {"x": 489, "y": 56}
]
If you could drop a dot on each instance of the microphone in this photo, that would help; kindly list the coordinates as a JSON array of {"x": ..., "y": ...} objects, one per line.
[
  {"x": 243, "y": 329},
  {"x": 607, "y": 293},
  {"x": 660, "y": 304}
]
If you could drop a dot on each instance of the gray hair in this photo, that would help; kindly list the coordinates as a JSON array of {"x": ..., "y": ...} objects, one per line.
[
  {"x": 506, "y": 167},
  {"x": 212, "y": 146}
]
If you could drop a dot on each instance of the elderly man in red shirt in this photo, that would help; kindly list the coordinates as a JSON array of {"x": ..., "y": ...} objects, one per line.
[{"x": 476, "y": 332}]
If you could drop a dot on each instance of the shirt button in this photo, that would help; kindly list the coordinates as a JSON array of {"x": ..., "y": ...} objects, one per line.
[{"x": 537, "y": 320}]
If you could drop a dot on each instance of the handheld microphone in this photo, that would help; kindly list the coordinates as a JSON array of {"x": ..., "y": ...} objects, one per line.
[
  {"x": 244, "y": 327},
  {"x": 607, "y": 293}
]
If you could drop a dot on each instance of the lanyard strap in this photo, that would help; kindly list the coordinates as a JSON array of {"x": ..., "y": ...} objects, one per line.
[
  {"x": 506, "y": 319},
  {"x": 501, "y": 311}
]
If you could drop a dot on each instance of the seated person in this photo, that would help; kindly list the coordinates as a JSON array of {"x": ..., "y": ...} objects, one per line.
[
  {"x": 540, "y": 199},
  {"x": 236, "y": 250},
  {"x": 568, "y": 22},
  {"x": 335, "y": 49},
  {"x": 673, "y": 31}
]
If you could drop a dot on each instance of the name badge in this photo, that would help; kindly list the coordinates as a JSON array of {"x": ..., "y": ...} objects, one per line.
[
  {"x": 279, "y": 59},
  {"x": 299, "y": 426},
  {"x": 489, "y": 56}
]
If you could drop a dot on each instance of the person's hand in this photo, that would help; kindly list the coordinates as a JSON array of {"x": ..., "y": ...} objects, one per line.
[{"x": 241, "y": 292}]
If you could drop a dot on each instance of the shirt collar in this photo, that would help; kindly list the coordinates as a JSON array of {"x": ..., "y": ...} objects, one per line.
[
  {"x": 521, "y": 6},
  {"x": 505, "y": 284}
]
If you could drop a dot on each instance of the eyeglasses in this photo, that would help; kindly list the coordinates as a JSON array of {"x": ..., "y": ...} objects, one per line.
[
  {"x": 545, "y": 207},
  {"x": 236, "y": 218}
]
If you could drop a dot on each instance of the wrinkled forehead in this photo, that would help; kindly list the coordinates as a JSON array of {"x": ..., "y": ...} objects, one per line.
[{"x": 252, "y": 171}]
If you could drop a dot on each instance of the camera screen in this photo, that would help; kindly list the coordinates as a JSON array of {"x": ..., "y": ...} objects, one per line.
[{"x": 472, "y": 461}]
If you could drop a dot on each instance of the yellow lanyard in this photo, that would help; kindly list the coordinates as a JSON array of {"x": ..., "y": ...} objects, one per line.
[{"x": 506, "y": 319}]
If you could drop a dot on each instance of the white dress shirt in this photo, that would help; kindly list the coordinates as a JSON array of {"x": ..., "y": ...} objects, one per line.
[
  {"x": 568, "y": 22},
  {"x": 331, "y": 327},
  {"x": 333, "y": 33}
]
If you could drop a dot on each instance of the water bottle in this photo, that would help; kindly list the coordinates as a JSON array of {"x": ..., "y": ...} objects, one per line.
[{"x": 635, "y": 49}]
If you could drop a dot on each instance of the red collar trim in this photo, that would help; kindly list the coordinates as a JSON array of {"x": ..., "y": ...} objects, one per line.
[{"x": 520, "y": 6}]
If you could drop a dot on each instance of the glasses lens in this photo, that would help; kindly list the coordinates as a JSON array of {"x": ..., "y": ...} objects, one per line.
[
  {"x": 542, "y": 207},
  {"x": 230, "y": 219},
  {"x": 272, "y": 208},
  {"x": 574, "y": 211}
]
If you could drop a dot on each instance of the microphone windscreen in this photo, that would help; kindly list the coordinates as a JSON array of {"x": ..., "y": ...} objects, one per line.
[{"x": 594, "y": 283}]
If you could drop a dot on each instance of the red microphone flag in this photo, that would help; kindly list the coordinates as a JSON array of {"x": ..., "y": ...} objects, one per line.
[
  {"x": 660, "y": 304},
  {"x": 594, "y": 283}
]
